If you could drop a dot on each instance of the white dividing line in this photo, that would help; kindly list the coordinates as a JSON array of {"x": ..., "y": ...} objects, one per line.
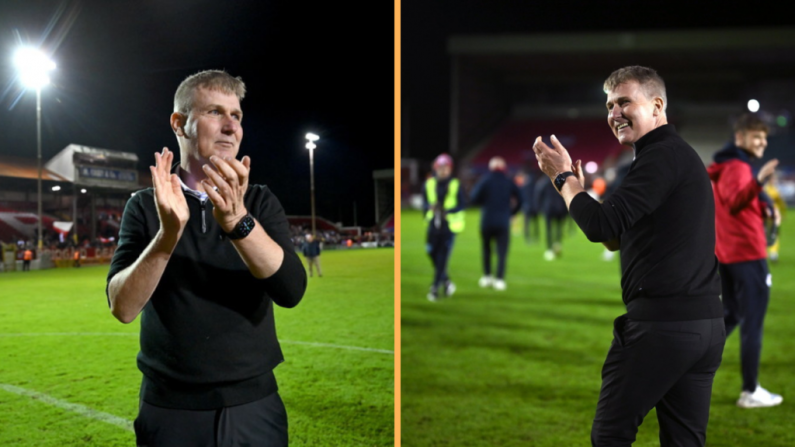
[
  {"x": 68, "y": 406},
  {"x": 135, "y": 334}
]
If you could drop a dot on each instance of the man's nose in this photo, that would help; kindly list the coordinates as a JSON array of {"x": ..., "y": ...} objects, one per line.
[
  {"x": 231, "y": 125},
  {"x": 615, "y": 112}
]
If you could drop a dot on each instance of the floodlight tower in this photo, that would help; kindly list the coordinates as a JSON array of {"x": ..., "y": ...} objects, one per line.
[
  {"x": 33, "y": 66},
  {"x": 311, "y": 138}
]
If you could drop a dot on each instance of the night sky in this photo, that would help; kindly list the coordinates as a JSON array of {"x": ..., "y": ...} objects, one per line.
[
  {"x": 325, "y": 67},
  {"x": 427, "y": 25}
]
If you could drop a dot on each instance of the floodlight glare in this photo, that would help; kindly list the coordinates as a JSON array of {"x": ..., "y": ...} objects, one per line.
[
  {"x": 753, "y": 105},
  {"x": 310, "y": 145},
  {"x": 591, "y": 167},
  {"x": 33, "y": 66},
  {"x": 312, "y": 137},
  {"x": 56, "y": 188},
  {"x": 83, "y": 190}
]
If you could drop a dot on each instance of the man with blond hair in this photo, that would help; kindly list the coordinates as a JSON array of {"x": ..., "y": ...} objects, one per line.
[
  {"x": 669, "y": 344},
  {"x": 202, "y": 257},
  {"x": 499, "y": 199}
]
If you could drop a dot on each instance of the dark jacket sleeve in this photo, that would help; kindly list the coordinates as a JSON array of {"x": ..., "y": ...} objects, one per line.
[
  {"x": 653, "y": 176},
  {"x": 425, "y": 205},
  {"x": 133, "y": 237},
  {"x": 286, "y": 287}
]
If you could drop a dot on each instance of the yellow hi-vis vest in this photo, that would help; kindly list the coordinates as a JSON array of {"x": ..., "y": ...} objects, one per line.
[{"x": 454, "y": 220}]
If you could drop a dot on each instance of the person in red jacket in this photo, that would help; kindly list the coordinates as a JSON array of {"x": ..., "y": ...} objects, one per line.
[{"x": 741, "y": 247}]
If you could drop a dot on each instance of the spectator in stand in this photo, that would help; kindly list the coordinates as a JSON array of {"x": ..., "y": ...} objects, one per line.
[
  {"x": 741, "y": 247},
  {"x": 499, "y": 198},
  {"x": 311, "y": 250}
]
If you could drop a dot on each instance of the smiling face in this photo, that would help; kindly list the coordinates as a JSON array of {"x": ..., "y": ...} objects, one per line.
[
  {"x": 752, "y": 141},
  {"x": 213, "y": 126},
  {"x": 631, "y": 114}
]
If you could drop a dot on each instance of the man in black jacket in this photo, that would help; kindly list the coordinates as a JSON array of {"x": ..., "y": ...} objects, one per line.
[
  {"x": 669, "y": 344},
  {"x": 494, "y": 193},
  {"x": 202, "y": 257}
]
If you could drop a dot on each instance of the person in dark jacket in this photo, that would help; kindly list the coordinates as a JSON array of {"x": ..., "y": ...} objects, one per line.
[
  {"x": 494, "y": 193},
  {"x": 668, "y": 346},
  {"x": 555, "y": 213},
  {"x": 741, "y": 247},
  {"x": 203, "y": 256},
  {"x": 526, "y": 184},
  {"x": 311, "y": 251},
  {"x": 443, "y": 208}
]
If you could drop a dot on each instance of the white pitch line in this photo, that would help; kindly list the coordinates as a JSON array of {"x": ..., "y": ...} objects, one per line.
[
  {"x": 82, "y": 410},
  {"x": 128, "y": 334},
  {"x": 328, "y": 345}
]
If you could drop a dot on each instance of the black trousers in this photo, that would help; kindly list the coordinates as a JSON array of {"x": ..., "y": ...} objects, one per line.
[
  {"x": 746, "y": 293},
  {"x": 259, "y": 423},
  {"x": 669, "y": 365},
  {"x": 439, "y": 246},
  {"x": 500, "y": 235}
]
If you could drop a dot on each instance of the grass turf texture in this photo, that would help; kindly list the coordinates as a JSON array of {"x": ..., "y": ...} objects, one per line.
[
  {"x": 522, "y": 367},
  {"x": 334, "y": 397}
]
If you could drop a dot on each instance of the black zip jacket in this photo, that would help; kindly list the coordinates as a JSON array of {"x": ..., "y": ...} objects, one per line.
[
  {"x": 208, "y": 338},
  {"x": 664, "y": 215}
]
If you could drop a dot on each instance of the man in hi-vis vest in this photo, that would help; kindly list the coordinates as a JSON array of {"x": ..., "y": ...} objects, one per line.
[{"x": 444, "y": 211}]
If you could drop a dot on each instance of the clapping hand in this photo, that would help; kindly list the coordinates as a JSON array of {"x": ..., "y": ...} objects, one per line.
[
  {"x": 226, "y": 186},
  {"x": 172, "y": 209}
]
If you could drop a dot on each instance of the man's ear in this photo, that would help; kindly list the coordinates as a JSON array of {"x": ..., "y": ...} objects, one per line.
[
  {"x": 178, "y": 122},
  {"x": 659, "y": 106}
]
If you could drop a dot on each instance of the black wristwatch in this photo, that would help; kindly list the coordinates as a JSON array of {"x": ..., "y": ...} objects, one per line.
[
  {"x": 242, "y": 229},
  {"x": 560, "y": 180}
]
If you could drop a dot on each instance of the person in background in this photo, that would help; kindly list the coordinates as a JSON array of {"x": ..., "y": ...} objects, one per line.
[
  {"x": 26, "y": 258},
  {"x": 311, "y": 251},
  {"x": 526, "y": 184},
  {"x": 741, "y": 247},
  {"x": 555, "y": 213},
  {"x": 499, "y": 199},
  {"x": 443, "y": 207}
]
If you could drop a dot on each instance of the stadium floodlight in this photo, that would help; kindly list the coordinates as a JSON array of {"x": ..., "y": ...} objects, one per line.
[
  {"x": 753, "y": 105},
  {"x": 83, "y": 191},
  {"x": 33, "y": 66},
  {"x": 56, "y": 188},
  {"x": 311, "y": 146},
  {"x": 591, "y": 167}
]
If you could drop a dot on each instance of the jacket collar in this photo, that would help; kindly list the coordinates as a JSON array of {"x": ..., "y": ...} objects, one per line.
[{"x": 654, "y": 136}]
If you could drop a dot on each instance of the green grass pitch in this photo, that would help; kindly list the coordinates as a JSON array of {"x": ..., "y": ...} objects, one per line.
[
  {"x": 58, "y": 339},
  {"x": 522, "y": 367}
]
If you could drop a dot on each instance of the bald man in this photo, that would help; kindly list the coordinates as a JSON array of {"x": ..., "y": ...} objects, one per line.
[{"x": 499, "y": 198}]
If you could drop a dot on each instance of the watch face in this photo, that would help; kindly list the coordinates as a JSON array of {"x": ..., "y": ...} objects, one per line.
[{"x": 245, "y": 226}]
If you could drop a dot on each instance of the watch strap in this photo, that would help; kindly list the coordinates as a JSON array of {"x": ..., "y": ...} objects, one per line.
[{"x": 560, "y": 180}]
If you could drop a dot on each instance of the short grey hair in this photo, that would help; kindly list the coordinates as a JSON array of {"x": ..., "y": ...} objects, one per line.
[
  {"x": 218, "y": 80},
  {"x": 651, "y": 83}
]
